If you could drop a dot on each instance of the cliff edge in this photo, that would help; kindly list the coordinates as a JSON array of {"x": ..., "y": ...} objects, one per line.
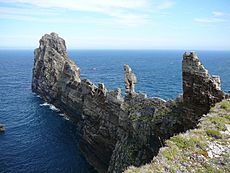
[
  {"x": 118, "y": 131},
  {"x": 204, "y": 149}
]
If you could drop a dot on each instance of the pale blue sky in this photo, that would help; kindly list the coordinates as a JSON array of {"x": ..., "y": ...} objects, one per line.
[{"x": 117, "y": 24}]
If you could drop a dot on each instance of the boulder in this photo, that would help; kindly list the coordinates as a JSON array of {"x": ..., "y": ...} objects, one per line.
[{"x": 2, "y": 128}]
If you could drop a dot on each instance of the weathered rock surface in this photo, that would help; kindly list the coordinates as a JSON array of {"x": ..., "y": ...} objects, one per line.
[
  {"x": 200, "y": 90},
  {"x": 130, "y": 80},
  {"x": 2, "y": 128},
  {"x": 118, "y": 131},
  {"x": 204, "y": 149}
]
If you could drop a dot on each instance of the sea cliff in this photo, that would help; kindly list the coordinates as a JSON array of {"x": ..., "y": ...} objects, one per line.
[
  {"x": 118, "y": 131},
  {"x": 204, "y": 149}
]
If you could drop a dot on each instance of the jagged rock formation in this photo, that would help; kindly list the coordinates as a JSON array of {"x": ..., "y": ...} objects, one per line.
[
  {"x": 200, "y": 90},
  {"x": 130, "y": 80},
  {"x": 118, "y": 131},
  {"x": 52, "y": 67}
]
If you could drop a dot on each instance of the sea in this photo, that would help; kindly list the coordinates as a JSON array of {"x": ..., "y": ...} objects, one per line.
[{"x": 38, "y": 138}]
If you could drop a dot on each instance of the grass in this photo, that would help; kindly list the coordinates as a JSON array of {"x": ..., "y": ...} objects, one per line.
[
  {"x": 214, "y": 133},
  {"x": 183, "y": 152},
  {"x": 170, "y": 153},
  {"x": 219, "y": 122},
  {"x": 225, "y": 105},
  {"x": 184, "y": 142}
]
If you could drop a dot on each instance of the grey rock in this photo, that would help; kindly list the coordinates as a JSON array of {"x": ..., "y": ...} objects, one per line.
[
  {"x": 130, "y": 80},
  {"x": 200, "y": 90},
  {"x": 118, "y": 131}
]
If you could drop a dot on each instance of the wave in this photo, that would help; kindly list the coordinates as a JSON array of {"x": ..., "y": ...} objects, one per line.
[
  {"x": 52, "y": 107},
  {"x": 64, "y": 116},
  {"x": 45, "y": 104}
]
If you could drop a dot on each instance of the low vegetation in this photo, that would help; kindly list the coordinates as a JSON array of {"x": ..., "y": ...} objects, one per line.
[{"x": 205, "y": 149}]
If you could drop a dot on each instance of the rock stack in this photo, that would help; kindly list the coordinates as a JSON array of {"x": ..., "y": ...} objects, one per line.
[
  {"x": 2, "y": 128},
  {"x": 130, "y": 80}
]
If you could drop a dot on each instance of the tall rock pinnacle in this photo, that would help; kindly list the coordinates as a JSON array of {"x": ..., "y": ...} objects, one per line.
[
  {"x": 130, "y": 80},
  {"x": 52, "y": 66},
  {"x": 200, "y": 90}
]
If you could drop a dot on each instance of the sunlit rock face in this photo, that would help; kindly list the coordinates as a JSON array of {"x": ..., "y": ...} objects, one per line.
[
  {"x": 200, "y": 90},
  {"x": 118, "y": 131},
  {"x": 130, "y": 80},
  {"x": 52, "y": 66}
]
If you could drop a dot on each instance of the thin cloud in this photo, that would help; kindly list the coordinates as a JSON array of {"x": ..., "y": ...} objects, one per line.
[
  {"x": 26, "y": 11},
  {"x": 216, "y": 17},
  {"x": 165, "y": 5},
  {"x": 118, "y": 19},
  {"x": 123, "y": 12},
  {"x": 103, "y": 6},
  {"x": 128, "y": 12},
  {"x": 209, "y": 20},
  {"x": 218, "y": 13}
]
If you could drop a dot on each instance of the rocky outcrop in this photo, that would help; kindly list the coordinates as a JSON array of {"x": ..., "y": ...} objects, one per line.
[
  {"x": 52, "y": 68},
  {"x": 118, "y": 131},
  {"x": 2, "y": 128},
  {"x": 98, "y": 111},
  {"x": 204, "y": 149},
  {"x": 200, "y": 90}
]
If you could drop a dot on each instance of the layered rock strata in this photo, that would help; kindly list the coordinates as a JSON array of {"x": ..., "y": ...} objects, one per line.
[
  {"x": 118, "y": 131},
  {"x": 204, "y": 149},
  {"x": 200, "y": 90}
]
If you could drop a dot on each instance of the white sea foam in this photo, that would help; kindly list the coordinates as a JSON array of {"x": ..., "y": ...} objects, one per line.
[
  {"x": 45, "y": 104},
  {"x": 66, "y": 118},
  {"x": 62, "y": 115},
  {"x": 52, "y": 107}
]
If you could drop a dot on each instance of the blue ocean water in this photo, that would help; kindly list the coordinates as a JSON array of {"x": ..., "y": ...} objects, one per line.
[{"x": 38, "y": 139}]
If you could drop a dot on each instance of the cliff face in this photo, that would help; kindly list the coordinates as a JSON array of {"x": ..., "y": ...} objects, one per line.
[
  {"x": 118, "y": 131},
  {"x": 52, "y": 68},
  {"x": 200, "y": 90},
  {"x": 204, "y": 149}
]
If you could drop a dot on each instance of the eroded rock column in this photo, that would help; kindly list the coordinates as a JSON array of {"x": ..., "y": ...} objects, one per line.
[{"x": 130, "y": 80}]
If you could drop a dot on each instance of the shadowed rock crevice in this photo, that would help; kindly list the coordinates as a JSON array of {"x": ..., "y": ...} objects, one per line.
[{"x": 118, "y": 131}]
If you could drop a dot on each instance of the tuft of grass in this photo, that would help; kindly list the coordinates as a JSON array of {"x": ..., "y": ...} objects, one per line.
[
  {"x": 188, "y": 142},
  {"x": 219, "y": 122},
  {"x": 214, "y": 133},
  {"x": 225, "y": 105},
  {"x": 227, "y": 116},
  {"x": 170, "y": 153}
]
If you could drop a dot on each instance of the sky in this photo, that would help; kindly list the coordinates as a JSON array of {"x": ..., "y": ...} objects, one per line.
[{"x": 117, "y": 24}]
